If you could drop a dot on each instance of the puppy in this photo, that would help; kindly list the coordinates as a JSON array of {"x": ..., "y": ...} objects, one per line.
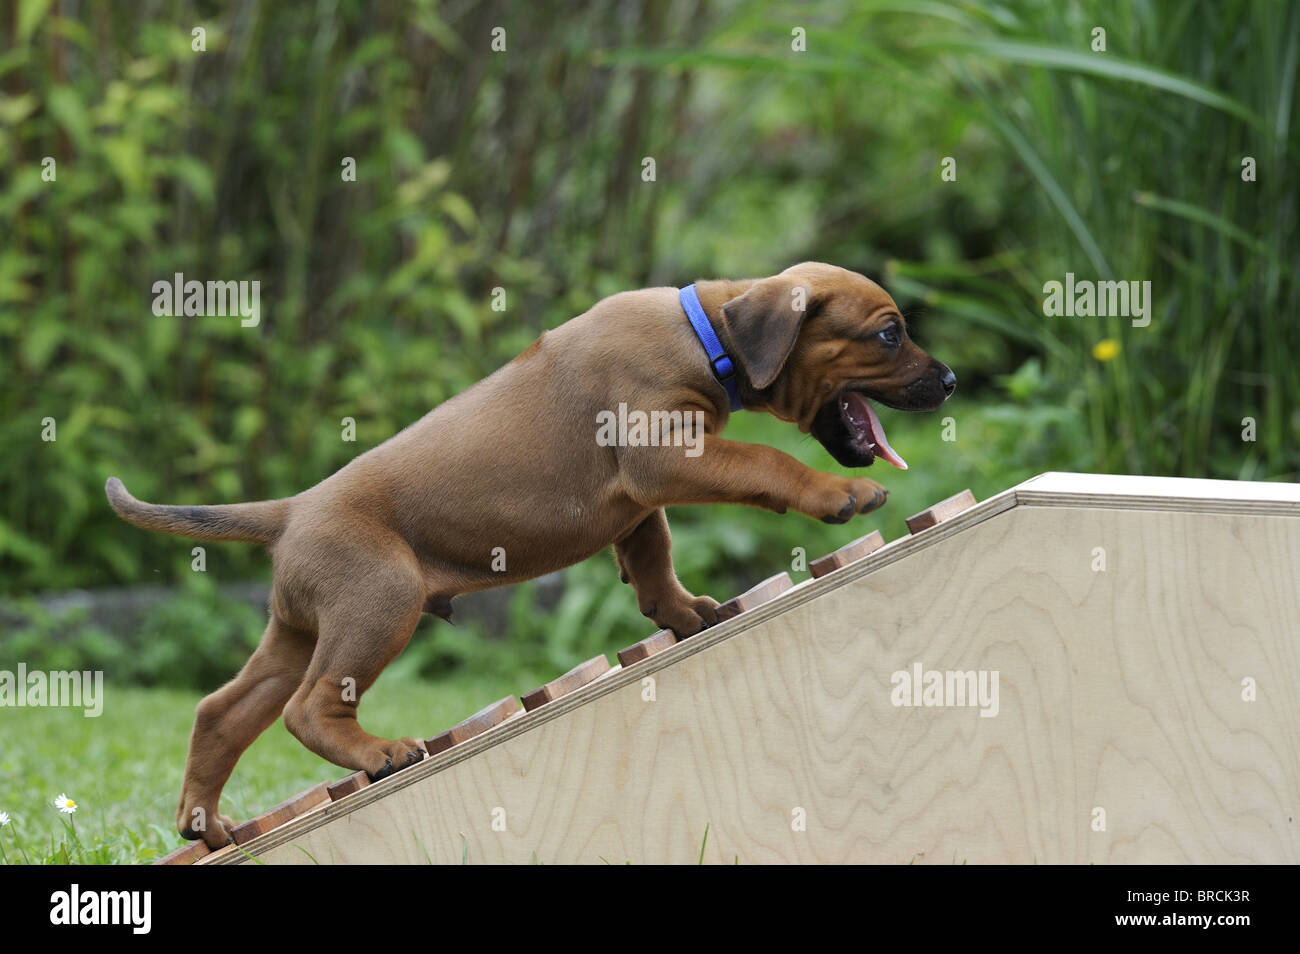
[{"x": 514, "y": 463}]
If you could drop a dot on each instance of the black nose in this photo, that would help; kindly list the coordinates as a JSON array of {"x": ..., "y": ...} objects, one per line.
[{"x": 949, "y": 381}]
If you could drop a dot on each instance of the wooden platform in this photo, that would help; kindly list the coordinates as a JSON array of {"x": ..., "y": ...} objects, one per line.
[{"x": 1124, "y": 729}]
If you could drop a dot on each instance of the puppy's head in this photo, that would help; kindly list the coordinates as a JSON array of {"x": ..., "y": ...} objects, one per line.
[{"x": 818, "y": 344}]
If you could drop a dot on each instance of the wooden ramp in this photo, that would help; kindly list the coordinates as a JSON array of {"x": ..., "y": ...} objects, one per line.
[{"x": 1144, "y": 635}]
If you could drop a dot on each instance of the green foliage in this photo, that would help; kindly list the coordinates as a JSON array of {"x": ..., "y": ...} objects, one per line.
[
  {"x": 1118, "y": 164},
  {"x": 195, "y": 640},
  {"x": 364, "y": 311}
]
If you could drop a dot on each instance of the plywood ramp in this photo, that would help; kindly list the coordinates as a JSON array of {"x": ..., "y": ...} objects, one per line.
[{"x": 1127, "y": 620}]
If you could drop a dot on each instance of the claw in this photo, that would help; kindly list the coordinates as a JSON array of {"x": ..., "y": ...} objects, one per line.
[{"x": 846, "y": 512}]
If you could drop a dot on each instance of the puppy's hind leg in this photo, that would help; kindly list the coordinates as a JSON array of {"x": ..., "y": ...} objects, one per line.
[
  {"x": 362, "y": 632},
  {"x": 230, "y": 719}
]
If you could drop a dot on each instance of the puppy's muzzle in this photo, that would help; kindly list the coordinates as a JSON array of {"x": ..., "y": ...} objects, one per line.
[
  {"x": 850, "y": 430},
  {"x": 928, "y": 392}
]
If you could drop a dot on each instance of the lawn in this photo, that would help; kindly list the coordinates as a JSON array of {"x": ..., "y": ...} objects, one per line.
[{"x": 124, "y": 768}]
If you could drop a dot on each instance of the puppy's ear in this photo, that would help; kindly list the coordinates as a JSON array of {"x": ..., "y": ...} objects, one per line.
[{"x": 764, "y": 323}]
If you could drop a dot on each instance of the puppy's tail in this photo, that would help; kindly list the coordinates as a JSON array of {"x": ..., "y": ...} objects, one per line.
[{"x": 259, "y": 522}]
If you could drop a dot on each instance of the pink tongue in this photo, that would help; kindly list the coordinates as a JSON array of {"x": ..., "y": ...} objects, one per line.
[{"x": 877, "y": 430}]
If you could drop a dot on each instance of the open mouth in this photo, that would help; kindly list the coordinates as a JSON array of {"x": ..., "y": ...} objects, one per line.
[{"x": 849, "y": 428}]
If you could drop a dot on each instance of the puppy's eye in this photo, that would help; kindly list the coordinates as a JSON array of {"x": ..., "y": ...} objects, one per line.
[{"x": 891, "y": 337}]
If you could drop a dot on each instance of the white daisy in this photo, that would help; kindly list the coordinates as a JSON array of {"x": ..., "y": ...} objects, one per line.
[
  {"x": 4, "y": 819},
  {"x": 65, "y": 804}
]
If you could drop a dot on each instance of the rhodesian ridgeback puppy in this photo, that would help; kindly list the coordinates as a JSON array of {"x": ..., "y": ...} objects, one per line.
[{"x": 513, "y": 463}]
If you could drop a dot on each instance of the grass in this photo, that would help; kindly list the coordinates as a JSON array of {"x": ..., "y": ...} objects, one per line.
[{"x": 124, "y": 768}]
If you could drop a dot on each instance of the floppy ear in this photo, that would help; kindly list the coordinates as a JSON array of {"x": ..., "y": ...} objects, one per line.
[{"x": 763, "y": 325}]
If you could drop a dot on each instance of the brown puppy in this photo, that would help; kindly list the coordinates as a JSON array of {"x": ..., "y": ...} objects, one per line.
[{"x": 514, "y": 463}]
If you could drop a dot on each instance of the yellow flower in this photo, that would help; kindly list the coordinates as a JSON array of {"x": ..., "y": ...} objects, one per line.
[{"x": 1105, "y": 349}]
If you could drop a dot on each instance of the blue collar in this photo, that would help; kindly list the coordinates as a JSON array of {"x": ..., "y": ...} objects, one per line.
[{"x": 723, "y": 368}]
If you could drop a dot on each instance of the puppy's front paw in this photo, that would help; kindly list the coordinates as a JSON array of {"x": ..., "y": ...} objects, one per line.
[
  {"x": 837, "y": 499},
  {"x": 682, "y": 613},
  {"x": 870, "y": 495}
]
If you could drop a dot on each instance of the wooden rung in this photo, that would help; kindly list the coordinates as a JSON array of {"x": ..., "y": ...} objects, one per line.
[
  {"x": 575, "y": 678},
  {"x": 846, "y": 554},
  {"x": 943, "y": 510},
  {"x": 756, "y": 596},
  {"x": 476, "y": 724},
  {"x": 186, "y": 854},
  {"x": 348, "y": 786},
  {"x": 647, "y": 647},
  {"x": 300, "y": 804}
]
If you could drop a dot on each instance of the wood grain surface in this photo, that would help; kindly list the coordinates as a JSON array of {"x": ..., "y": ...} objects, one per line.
[
  {"x": 656, "y": 643},
  {"x": 291, "y": 808},
  {"x": 755, "y": 596},
  {"x": 575, "y": 678},
  {"x": 943, "y": 510},
  {"x": 476, "y": 724},
  {"x": 847, "y": 554}
]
